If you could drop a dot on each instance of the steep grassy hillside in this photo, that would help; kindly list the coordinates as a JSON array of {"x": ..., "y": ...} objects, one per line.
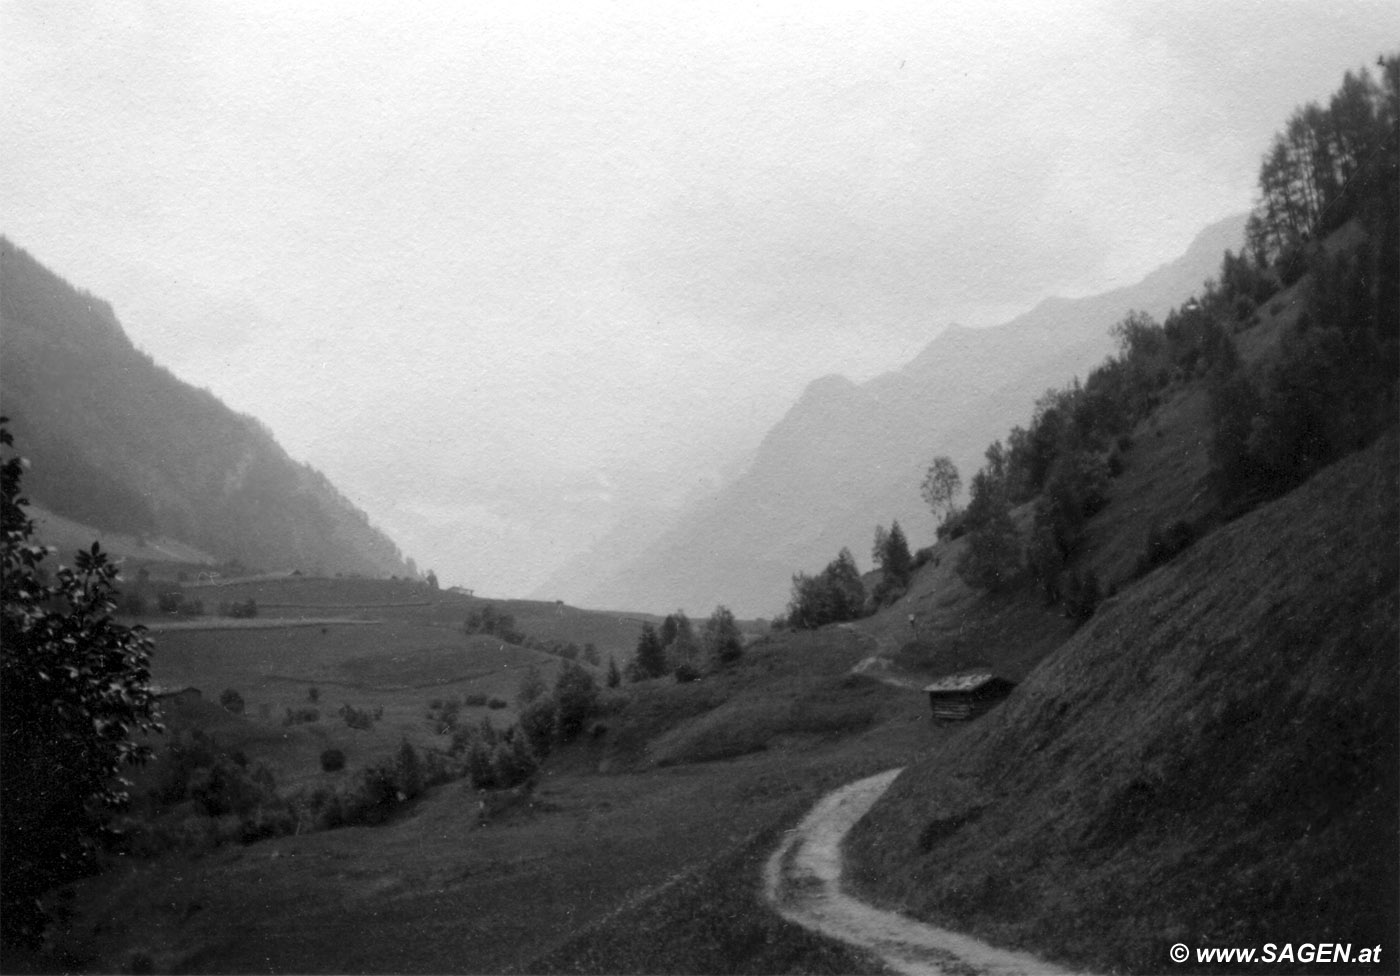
[
  {"x": 850, "y": 455},
  {"x": 120, "y": 444},
  {"x": 1213, "y": 759}
]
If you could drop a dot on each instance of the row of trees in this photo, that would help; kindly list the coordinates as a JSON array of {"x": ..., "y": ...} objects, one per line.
[
  {"x": 675, "y": 649},
  {"x": 498, "y": 623},
  {"x": 1325, "y": 165},
  {"x": 1331, "y": 388}
]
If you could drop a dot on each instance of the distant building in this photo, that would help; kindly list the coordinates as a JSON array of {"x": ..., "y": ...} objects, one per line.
[
  {"x": 960, "y": 697},
  {"x": 462, "y": 590}
]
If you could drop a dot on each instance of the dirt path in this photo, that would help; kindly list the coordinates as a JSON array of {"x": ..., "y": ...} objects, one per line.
[
  {"x": 878, "y": 665},
  {"x": 802, "y": 881}
]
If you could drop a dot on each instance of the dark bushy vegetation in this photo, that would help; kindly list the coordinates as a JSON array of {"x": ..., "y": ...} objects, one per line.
[
  {"x": 244, "y": 610},
  {"x": 835, "y": 594},
  {"x": 891, "y": 553},
  {"x": 650, "y": 658},
  {"x": 356, "y": 718},
  {"x": 1333, "y": 387},
  {"x": 76, "y": 694},
  {"x": 489, "y": 620}
]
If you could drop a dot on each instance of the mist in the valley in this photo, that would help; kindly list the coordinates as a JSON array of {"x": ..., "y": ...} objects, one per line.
[{"x": 512, "y": 277}]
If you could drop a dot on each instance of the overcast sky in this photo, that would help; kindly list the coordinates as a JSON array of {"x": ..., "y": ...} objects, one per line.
[{"x": 505, "y": 272}]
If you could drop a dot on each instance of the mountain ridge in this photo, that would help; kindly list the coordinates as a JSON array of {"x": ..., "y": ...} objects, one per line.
[
  {"x": 848, "y": 454},
  {"x": 123, "y": 445}
]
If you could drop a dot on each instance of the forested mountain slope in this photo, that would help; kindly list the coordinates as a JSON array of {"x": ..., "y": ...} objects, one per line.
[{"x": 120, "y": 444}]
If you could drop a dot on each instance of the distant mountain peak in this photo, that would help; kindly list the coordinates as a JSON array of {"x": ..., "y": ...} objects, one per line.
[{"x": 847, "y": 456}]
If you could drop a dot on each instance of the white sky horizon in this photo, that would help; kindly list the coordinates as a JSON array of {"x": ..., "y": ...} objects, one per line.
[{"x": 506, "y": 273}]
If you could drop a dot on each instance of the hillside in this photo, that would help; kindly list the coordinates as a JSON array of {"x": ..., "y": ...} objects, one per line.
[
  {"x": 121, "y": 445},
  {"x": 850, "y": 455},
  {"x": 1278, "y": 631}
]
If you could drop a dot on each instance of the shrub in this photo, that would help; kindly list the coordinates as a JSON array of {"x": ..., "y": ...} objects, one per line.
[
  {"x": 496, "y": 704},
  {"x": 836, "y": 594},
  {"x": 992, "y": 560},
  {"x": 1079, "y": 589},
  {"x": 356, "y": 718},
  {"x": 513, "y": 761},
  {"x": 232, "y": 701},
  {"x": 685, "y": 673},
  {"x": 538, "y": 722},
  {"x": 575, "y": 700},
  {"x": 301, "y": 716},
  {"x": 332, "y": 760}
]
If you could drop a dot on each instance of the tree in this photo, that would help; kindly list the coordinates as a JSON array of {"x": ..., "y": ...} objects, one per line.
[
  {"x": 992, "y": 560},
  {"x": 722, "y": 638},
  {"x": 538, "y": 721},
  {"x": 834, "y": 595},
  {"x": 650, "y": 660},
  {"x": 896, "y": 560},
  {"x": 232, "y": 701},
  {"x": 77, "y": 693},
  {"x": 614, "y": 675},
  {"x": 676, "y": 625},
  {"x": 531, "y": 687},
  {"x": 432, "y": 580},
  {"x": 575, "y": 698},
  {"x": 882, "y": 539},
  {"x": 941, "y": 486}
]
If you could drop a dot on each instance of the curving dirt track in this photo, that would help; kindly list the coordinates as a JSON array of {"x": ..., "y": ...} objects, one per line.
[{"x": 802, "y": 882}]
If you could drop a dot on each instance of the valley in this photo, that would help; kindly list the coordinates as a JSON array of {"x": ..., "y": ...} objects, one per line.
[{"x": 1131, "y": 696}]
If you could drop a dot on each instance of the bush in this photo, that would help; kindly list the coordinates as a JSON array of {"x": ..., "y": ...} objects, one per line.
[
  {"x": 685, "y": 673},
  {"x": 232, "y": 701},
  {"x": 538, "y": 722},
  {"x": 496, "y": 704},
  {"x": 1079, "y": 589},
  {"x": 301, "y": 716},
  {"x": 332, "y": 760},
  {"x": 356, "y": 718},
  {"x": 575, "y": 700},
  {"x": 835, "y": 595},
  {"x": 1163, "y": 546}
]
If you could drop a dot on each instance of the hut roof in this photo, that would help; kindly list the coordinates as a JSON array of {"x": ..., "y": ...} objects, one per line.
[{"x": 961, "y": 682}]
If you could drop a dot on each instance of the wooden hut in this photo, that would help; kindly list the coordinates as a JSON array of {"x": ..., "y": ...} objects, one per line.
[{"x": 960, "y": 697}]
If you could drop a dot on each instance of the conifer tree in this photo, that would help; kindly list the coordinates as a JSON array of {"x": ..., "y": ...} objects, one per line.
[{"x": 650, "y": 660}]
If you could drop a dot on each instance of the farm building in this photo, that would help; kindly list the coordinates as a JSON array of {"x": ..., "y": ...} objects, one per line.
[{"x": 960, "y": 697}]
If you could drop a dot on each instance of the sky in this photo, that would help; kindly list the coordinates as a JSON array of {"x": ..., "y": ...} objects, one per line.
[{"x": 511, "y": 273}]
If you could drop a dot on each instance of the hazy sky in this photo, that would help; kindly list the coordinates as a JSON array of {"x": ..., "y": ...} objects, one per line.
[{"x": 505, "y": 272}]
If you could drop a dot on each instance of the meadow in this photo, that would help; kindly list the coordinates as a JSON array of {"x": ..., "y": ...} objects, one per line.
[{"x": 660, "y": 815}]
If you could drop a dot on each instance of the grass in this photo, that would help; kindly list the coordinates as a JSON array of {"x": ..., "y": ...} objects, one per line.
[
  {"x": 580, "y": 880},
  {"x": 1218, "y": 749}
]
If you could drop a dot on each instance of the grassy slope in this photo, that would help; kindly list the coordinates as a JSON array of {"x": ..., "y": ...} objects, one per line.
[
  {"x": 294, "y": 596},
  {"x": 1212, "y": 759},
  {"x": 584, "y": 881}
]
